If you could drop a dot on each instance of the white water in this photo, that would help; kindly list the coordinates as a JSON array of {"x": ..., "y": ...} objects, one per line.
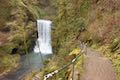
[{"x": 43, "y": 43}]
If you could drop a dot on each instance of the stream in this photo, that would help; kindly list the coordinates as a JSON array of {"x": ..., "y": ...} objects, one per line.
[{"x": 35, "y": 63}]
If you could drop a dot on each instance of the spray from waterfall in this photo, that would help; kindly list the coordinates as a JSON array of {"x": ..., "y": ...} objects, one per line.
[{"x": 43, "y": 43}]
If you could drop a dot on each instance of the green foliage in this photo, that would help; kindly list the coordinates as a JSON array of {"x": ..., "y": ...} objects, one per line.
[
  {"x": 8, "y": 47},
  {"x": 8, "y": 62},
  {"x": 22, "y": 25},
  {"x": 115, "y": 45},
  {"x": 85, "y": 7},
  {"x": 5, "y": 9},
  {"x": 68, "y": 25},
  {"x": 59, "y": 61},
  {"x": 34, "y": 9},
  {"x": 19, "y": 36},
  {"x": 116, "y": 64}
]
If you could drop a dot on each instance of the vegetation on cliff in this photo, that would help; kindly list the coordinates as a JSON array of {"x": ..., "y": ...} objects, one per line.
[
  {"x": 17, "y": 30},
  {"x": 95, "y": 22}
]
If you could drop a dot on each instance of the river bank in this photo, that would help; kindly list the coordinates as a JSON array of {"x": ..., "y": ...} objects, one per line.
[{"x": 25, "y": 67}]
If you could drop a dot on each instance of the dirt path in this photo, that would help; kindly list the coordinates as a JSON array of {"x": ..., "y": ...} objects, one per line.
[{"x": 97, "y": 67}]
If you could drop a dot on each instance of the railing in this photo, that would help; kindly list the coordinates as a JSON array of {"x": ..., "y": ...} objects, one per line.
[{"x": 83, "y": 50}]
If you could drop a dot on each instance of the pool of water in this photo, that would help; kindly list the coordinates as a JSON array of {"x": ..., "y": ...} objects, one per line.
[{"x": 30, "y": 62}]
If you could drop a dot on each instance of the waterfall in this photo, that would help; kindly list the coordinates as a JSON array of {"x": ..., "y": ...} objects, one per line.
[{"x": 43, "y": 43}]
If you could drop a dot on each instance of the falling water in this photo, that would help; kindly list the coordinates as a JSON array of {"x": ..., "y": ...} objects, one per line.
[{"x": 43, "y": 43}]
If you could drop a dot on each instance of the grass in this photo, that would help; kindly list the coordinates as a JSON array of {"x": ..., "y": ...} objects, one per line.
[
  {"x": 56, "y": 62},
  {"x": 36, "y": 11},
  {"x": 8, "y": 62}
]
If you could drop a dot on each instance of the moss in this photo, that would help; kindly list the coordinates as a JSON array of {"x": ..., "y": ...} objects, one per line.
[
  {"x": 56, "y": 63},
  {"x": 23, "y": 22},
  {"x": 115, "y": 45},
  {"x": 35, "y": 10},
  {"x": 8, "y": 62},
  {"x": 5, "y": 9},
  {"x": 7, "y": 48},
  {"x": 85, "y": 7}
]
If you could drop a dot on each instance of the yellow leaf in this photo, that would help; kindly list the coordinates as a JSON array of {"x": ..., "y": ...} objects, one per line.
[{"x": 75, "y": 51}]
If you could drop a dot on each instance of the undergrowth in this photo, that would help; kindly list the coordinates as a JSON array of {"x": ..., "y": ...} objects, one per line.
[
  {"x": 8, "y": 62},
  {"x": 58, "y": 61}
]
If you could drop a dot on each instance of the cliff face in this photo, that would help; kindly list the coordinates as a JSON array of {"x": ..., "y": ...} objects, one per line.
[
  {"x": 89, "y": 21},
  {"x": 17, "y": 27},
  {"x": 104, "y": 23},
  {"x": 94, "y": 22},
  {"x": 18, "y": 19}
]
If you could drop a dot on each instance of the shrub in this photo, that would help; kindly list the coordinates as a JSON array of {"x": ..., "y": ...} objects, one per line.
[{"x": 115, "y": 44}]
